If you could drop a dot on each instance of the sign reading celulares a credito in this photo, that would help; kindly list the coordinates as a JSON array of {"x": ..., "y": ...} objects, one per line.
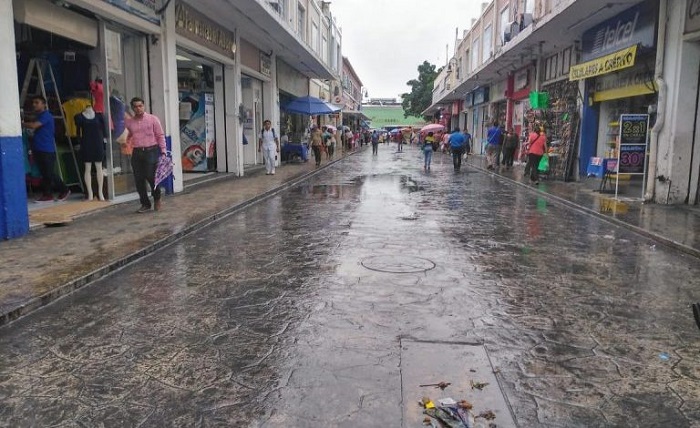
[{"x": 615, "y": 61}]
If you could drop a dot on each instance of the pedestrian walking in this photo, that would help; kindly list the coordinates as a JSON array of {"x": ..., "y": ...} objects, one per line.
[
  {"x": 375, "y": 142},
  {"x": 538, "y": 147},
  {"x": 468, "y": 143},
  {"x": 510, "y": 145},
  {"x": 493, "y": 148},
  {"x": 44, "y": 151},
  {"x": 148, "y": 142},
  {"x": 268, "y": 144},
  {"x": 531, "y": 136},
  {"x": 457, "y": 146},
  {"x": 428, "y": 150},
  {"x": 326, "y": 137},
  {"x": 316, "y": 142}
]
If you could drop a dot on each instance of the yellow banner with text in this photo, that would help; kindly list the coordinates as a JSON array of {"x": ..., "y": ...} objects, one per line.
[{"x": 605, "y": 64}]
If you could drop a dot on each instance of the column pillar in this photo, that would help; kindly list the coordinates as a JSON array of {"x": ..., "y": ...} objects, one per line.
[{"x": 14, "y": 216}]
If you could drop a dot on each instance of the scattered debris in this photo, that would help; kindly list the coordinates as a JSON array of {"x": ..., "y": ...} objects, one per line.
[
  {"x": 488, "y": 415},
  {"x": 427, "y": 403},
  {"x": 478, "y": 385},
  {"x": 441, "y": 385},
  {"x": 444, "y": 402},
  {"x": 472, "y": 370},
  {"x": 464, "y": 404},
  {"x": 664, "y": 356}
]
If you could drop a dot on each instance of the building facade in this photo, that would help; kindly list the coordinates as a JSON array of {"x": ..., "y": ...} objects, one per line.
[
  {"x": 205, "y": 68},
  {"x": 580, "y": 68}
]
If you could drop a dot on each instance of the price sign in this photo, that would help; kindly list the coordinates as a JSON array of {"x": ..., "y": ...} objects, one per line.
[
  {"x": 632, "y": 159},
  {"x": 633, "y": 143}
]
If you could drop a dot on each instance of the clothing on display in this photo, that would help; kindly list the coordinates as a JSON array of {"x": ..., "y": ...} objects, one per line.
[
  {"x": 71, "y": 108},
  {"x": 98, "y": 96},
  {"x": 90, "y": 127}
]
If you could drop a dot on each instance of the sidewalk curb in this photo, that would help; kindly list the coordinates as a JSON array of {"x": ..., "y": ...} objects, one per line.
[
  {"x": 612, "y": 220},
  {"x": 75, "y": 284}
]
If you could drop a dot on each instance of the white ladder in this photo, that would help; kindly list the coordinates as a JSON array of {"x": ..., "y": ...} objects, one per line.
[{"x": 39, "y": 74}]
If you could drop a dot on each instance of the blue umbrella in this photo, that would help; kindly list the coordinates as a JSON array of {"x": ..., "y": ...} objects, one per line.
[{"x": 311, "y": 106}]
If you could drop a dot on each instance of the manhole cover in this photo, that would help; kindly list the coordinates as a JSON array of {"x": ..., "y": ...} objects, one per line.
[{"x": 398, "y": 264}]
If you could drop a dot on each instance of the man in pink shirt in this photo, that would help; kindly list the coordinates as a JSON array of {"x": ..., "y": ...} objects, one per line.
[{"x": 149, "y": 144}]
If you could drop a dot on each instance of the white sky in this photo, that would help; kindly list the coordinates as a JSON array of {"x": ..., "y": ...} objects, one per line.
[{"x": 386, "y": 40}]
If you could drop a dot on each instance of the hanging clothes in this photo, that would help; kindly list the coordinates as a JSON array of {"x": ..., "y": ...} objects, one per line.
[
  {"x": 98, "y": 96},
  {"x": 70, "y": 109},
  {"x": 91, "y": 128}
]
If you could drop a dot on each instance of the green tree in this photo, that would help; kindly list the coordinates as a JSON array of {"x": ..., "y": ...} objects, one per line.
[{"x": 421, "y": 95}]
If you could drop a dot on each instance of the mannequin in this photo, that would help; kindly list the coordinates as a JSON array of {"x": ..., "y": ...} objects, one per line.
[{"x": 91, "y": 130}]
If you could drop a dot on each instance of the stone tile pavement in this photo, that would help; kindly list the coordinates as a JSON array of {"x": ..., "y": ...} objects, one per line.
[{"x": 52, "y": 261}]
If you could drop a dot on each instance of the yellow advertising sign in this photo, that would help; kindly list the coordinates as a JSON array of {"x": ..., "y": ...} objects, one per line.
[{"x": 605, "y": 64}]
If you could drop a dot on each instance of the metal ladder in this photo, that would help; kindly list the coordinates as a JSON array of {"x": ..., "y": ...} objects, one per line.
[{"x": 39, "y": 74}]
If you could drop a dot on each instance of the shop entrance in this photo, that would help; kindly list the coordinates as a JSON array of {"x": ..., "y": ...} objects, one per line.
[
  {"x": 252, "y": 91},
  {"x": 201, "y": 113}
]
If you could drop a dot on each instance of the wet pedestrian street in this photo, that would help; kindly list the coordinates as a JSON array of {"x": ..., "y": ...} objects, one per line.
[{"x": 302, "y": 310}]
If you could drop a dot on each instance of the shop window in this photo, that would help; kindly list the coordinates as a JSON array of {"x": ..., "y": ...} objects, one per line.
[{"x": 566, "y": 60}]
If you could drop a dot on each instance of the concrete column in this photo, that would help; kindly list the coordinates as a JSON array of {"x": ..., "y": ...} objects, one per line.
[
  {"x": 165, "y": 100},
  {"x": 234, "y": 154},
  {"x": 14, "y": 217},
  {"x": 674, "y": 173},
  {"x": 272, "y": 99}
]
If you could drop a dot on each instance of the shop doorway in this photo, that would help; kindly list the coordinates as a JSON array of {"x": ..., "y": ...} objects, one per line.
[
  {"x": 252, "y": 91},
  {"x": 201, "y": 95}
]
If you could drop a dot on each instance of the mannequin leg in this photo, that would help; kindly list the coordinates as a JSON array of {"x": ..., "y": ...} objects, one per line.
[
  {"x": 100, "y": 180},
  {"x": 88, "y": 180}
]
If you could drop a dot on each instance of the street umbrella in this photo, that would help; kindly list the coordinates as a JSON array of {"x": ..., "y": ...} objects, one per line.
[
  {"x": 395, "y": 131},
  {"x": 164, "y": 169},
  {"x": 433, "y": 127},
  {"x": 331, "y": 128},
  {"x": 310, "y": 105}
]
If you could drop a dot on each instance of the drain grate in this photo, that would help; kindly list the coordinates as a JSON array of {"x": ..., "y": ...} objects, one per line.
[{"x": 398, "y": 264}]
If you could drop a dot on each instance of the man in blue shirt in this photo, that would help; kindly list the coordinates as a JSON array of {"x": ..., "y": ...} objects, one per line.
[
  {"x": 494, "y": 137},
  {"x": 457, "y": 144},
  {"x": 44, "y": 151}
]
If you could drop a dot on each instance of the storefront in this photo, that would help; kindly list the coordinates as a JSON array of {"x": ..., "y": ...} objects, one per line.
[
  {"x": 291, "y": 85},
  {"x": 477, "y": 107},
  {"x": 618, "y": 79},
  {"x": 85, "y": 61},
  {"x": 204, "y": 50},
  {"x": 256, "y": 71},
  {"x": 499, "y": 103}
]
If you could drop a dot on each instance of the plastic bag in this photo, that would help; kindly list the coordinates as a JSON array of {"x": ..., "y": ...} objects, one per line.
[{"x": 544, "y": 164}]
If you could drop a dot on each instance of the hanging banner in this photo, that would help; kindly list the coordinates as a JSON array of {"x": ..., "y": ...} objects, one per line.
[{"x": 606, "y": 64}]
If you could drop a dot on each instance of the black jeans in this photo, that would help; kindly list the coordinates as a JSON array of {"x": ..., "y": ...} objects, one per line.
[
  {"x": 375, "y": 147},
  {"x": 144, "y": 162},
  {"x": 533, "y": 163},
  {"x": 46, "y": 162},
  {"x": 508, "y": 155},
  {"x": 317, "y": 154},
  {"x": 457, "y": 157}
]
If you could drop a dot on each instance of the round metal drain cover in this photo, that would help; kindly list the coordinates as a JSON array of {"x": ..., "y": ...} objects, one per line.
[{"x": 398, "y": 264}]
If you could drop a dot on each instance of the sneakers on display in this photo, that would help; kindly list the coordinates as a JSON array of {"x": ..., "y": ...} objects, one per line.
[
  {"x": 44, "y": 198},
  {"x": 63, "y": 196}
]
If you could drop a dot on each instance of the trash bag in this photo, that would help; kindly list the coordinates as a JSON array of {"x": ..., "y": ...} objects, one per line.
[{"x": 544, "y": 164}]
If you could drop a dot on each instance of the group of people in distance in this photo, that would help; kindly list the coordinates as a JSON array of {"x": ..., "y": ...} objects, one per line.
[{"x": 505, "y": 143}]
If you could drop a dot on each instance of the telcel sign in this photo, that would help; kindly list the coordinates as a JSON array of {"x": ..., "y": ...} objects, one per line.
[{"x": 635, "y": 26}]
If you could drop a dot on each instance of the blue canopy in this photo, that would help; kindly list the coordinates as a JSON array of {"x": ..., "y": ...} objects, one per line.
[{"x": 311, "y": 106}]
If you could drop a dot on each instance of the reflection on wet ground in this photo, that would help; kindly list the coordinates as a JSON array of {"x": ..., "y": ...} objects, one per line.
[{"x": 272, "y": 318}]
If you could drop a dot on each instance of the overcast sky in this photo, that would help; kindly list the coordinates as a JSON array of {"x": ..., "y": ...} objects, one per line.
[{"x": 386, "y": 40}]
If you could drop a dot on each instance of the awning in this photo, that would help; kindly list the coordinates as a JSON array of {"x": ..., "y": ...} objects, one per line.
[
  {"x": 310, "y": 105},
  {"x": 355, "y": 113}
]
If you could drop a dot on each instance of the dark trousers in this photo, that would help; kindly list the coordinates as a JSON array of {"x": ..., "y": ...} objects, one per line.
[
  {"x": 144, "y": 163},
  {"x": 457, "y": 157},
  {"x": 508, "y": 155},
  {"x": 375, "y": 147},
  {"x": 46, "y": 162},
  {"x": 533, "y": 162},
  {"x": 317, "y": 154}
]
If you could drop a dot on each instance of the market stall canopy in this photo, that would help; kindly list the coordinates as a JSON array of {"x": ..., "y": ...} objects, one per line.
[{"x": 311, "y": 106}]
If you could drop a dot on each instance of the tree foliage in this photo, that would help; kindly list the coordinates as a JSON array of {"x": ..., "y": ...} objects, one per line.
[{"x": 421, "y": 95}]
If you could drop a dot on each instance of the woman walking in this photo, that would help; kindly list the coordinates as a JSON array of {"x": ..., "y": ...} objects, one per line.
[
  {"x": 316, "y": 143},
  {"x": 537, "y": 148},
  {"x": 428, "y": 150}
]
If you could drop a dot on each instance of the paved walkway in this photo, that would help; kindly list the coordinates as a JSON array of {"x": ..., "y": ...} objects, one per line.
[
  {"x": 51, "y": 262},
  {"x": 677, "y": 226}
]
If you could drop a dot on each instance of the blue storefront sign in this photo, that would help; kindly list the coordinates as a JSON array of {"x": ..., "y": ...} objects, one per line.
[
  {"x": 145, "y": 9},
  {"x": 634, "y": 26}
]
